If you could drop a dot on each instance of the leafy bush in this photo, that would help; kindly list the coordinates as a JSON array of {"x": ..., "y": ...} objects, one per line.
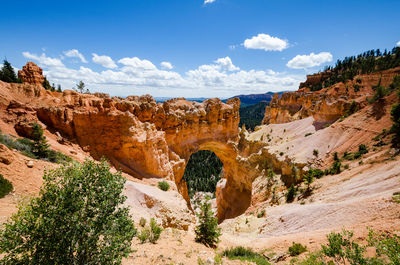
[
  {"x": 261, "y": 214},
  {"x": 296, "y": 249},
  {"x": 155, "y": 231},
  {"x": 78, "y": 218},
  {"x": 163, "y": 185},
  {"x": 5, "y": 186},
  {"x": 315, "y": 152},
  {"x": 142, "y": 222},
  {"x": 144, "y": 235},
  {"x": 387, "y": 245},
  {"x": 245, "y": 254},
  {"x": 207, "y": 231},
  {"x": 291, "y": 193}
]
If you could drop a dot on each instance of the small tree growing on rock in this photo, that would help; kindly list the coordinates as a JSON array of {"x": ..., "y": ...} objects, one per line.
[
  {"x": 207, "y": 232},
  {"x": 40, "y": 146}
]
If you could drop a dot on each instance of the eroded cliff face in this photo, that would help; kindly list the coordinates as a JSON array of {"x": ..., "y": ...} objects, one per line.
[
  {"x": 140, "y": 136},
  {"x": 326, "y": 105}
]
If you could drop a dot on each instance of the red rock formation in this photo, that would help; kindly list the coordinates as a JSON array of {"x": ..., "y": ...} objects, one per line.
[
  {"x": 142, "y": 137},
  {"x": 328, "y": 104},
  {"x": 31, "y": 74}
]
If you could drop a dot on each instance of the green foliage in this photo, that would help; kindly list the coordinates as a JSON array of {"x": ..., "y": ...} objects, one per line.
[
  {"x": 155, "y": 231},
  {"x": 80, "y": 87},
  {"x": 202, "y": 172},
  {"x": 291, "y": 193},
  {"x": 395, "y": 116},
  {"x": 25, "y": 146},
  {"x": 365, "y": 63},
  {"x": 380, "y": 92},
  {"x": 395, "y": 85},
  {"x": 142, "y": 222},
  {"x": 59, "y": 88},
  {"x": 78, "y": 218},
  {"x": 387, "y": 245},
  {"x": 308, "y": 179},
  {"x": 252, "y": 116},
  {"x": 163, "y": 185},
  {"x": 245, "y": 254},
  {"x": 313, "y": 259},
  {"x": 7, "y": 73},
  {"x": 5, "y": 186},
  {"x": 296, "y": 249},
  {"x": 47, "y": 85},
  {"x": 352, "y": 109},
  {"x": 356, "y": 87},
  {"x": 40, "y": 146},
  {"x": 207, "y": 231},
  {"x": 307, "y": 134},
  {"x": 315, "y": 152},
  {"x": 362, "y": 149},
  {"x": 261, "y": 214},
  {"x": 144, "y": 235}
]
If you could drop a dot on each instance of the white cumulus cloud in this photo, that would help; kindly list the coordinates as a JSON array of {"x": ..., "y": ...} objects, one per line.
[
  {"x": 311, "y": 60},
  {"x": 266, "y": 42},
  {"x": 166, "y": 65},
  {"x": 43, "y": 59},
  {"x": 104, "y": 61},
  {"x": 208, "y": 1},
  {"x": 75, "y": 53},
  {"x": 398, "y": 44},
  {"x": 221, "y": 78}
]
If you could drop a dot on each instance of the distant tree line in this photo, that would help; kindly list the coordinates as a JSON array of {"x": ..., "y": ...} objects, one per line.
[
  {"x": 365, "y": 63},
  {"x": 252, "y": 116},
  {"x": 202, "y": 172}
]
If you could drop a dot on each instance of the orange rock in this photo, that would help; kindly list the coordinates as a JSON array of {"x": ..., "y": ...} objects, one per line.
[{"x": 31, "y": 73}]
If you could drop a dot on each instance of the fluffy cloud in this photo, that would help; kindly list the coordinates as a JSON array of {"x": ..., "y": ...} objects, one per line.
[
  {"x": 208, "y": 1},
  {"x": 136, "y": 63},
  {"x": 266, "y": 42},
  {"x": 43, "y": 59},
  {"x": 311, "y": 60},
  {"x": 220, "y": 78},
  {"x": 75, "y": 53},
  {"x": 104, "y": 61},
  {"x": 166, "y": 65},
  {"x": 398, "y": 44}
]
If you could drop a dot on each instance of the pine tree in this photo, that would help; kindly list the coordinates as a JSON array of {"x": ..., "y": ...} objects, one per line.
[
  {"x": 7, "y": 73},
  {"x": 40, "y": 146},
  {"x": 80, "y": 87},
  {"x": 46, "y": 84},
  {"x": 59, "y": 88},
  {"x": 207, "y": 232},
  {"x": 395, "y": 116}
]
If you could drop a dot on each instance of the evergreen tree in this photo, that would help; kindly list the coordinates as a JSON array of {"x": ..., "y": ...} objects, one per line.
[
  {"x": 40, "y": 146},
  {"x": 395, "y": 116},
  {"x": 207, "y": 232},
  {"x": 46, "y": 84},
  {"x": 80, "y": 87},
  {"x": 7, "y": 73},
  {"x": 59, "y": 88}
]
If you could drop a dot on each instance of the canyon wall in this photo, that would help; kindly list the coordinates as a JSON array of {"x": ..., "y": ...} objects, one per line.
[
  {"x": 328, "y": 104},
  {"x": 141, "y": 137}
]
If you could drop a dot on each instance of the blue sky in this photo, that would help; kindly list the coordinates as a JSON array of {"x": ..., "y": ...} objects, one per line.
[{"x": 191, "y": 48}]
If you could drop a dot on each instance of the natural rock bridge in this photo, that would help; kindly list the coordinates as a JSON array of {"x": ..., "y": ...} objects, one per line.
[{"x": 149, "y": 139}]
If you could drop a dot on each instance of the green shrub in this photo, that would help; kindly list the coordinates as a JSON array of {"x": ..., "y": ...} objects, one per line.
[
  {"x": 78, "y": 218},
  {"x": 395, "y": 117},
  {"x": 207, "y": 231},
  {"x": 315, "y": 152},
  {"x": 395, "y": 85},
  {"x": 307, "y": 134},
  {"x": 142, "y": 222},
  {"x": 5, "y": 186},
  {"x": 296, "y": 249},
  {"x": 163, "y": 185},
  {"x": 155, "y": 231},
  {"x": 291, "y": 193},
  {"x": 245, "y": 254},
  {"x": 387, "y": 245},
  {"x": 144, "y": 235},
  {"x": 261, "y": 214}
]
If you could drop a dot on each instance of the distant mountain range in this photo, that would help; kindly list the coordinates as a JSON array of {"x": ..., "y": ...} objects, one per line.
[{"x": 245, "y": 100}]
